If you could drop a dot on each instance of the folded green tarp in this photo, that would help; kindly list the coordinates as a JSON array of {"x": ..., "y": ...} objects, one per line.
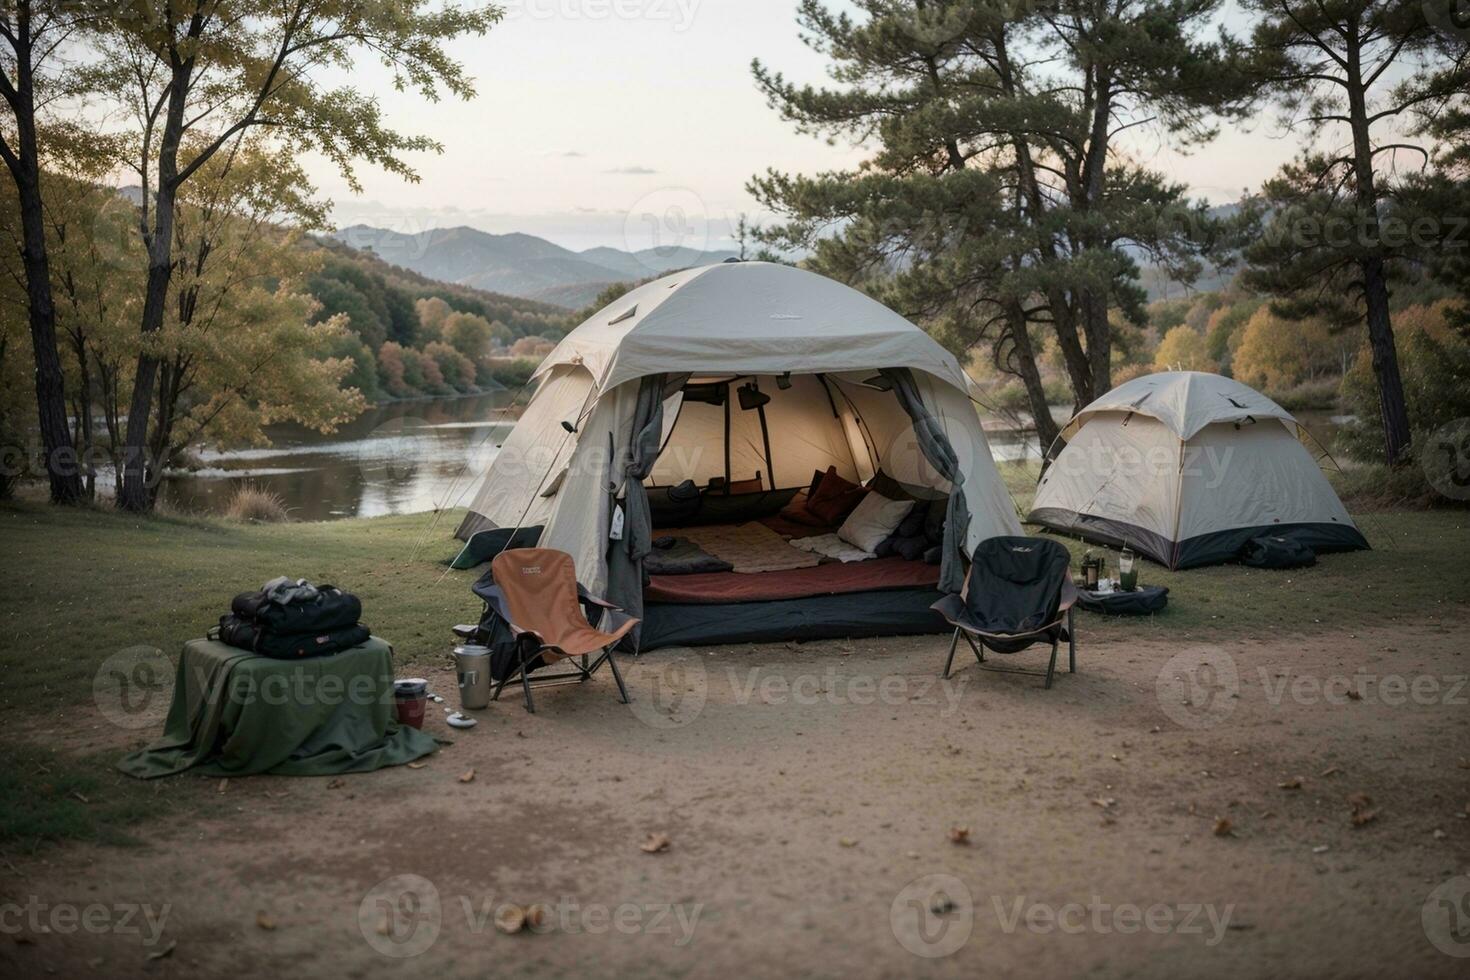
[{"x": 236, "y": 714}]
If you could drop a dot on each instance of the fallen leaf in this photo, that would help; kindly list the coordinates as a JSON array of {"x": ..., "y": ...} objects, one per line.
[
  {"x": 1295, "y": 782},
  {"x": 224, "y": 784},
  {"x": 1223, "y": 827},
  {"x": 1361, "y": 814},
  {"x": 655, "y": 844},
  {"x": 959, "y": 835},
  {"x": 1354, "y": 695},
  {"x": 467, "y": 776},
  {"x": 159, "y": 954},
  {"x": 1106, "y": 802},
  {"x": 510, "y": 918},
  {"x": 79, "y": 796},
  {"x": 847, "y": 841},
  {"x": 264, "y": 921},
  {"x": 417, "y": 765}
]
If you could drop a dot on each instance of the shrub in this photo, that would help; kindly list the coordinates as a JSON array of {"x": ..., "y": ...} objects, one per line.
[
  {"x": 256, "y": 505},
  {"x": 512, "y": 372},
  {"x": 1183, "y": 350},
  {"x": 457, "y": 370},
  {"x": 1434, "y": 363},
  {"x": 1376, "y": 487},
  {"x": 391, "y": 368},
  {"x": 1277, "y": 354}
]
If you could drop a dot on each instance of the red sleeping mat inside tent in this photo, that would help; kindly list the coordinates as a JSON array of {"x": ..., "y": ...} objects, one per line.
[{"x": 796, "y": 583}]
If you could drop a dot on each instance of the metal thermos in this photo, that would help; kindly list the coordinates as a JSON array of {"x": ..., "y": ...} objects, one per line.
[{"x": 472, "y": 666}]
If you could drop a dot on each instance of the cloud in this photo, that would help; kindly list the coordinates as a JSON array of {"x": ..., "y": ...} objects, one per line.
[{"x": 638, "y": 171}]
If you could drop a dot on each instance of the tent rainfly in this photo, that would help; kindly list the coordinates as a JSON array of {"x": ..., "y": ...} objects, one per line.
[
  {"x": 737, "y": 376},
  {"x": 1186, "y": 467}
]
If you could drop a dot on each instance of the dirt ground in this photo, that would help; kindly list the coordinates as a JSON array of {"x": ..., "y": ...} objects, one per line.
[{"x": 1270, "y": 807}]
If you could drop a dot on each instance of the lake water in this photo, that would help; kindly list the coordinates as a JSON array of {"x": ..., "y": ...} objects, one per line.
[
  {"x": 410, "y": 457},
  {"x": 401, "y": 458}
]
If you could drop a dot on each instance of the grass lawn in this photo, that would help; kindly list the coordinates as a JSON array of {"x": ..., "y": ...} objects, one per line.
[{"x": 77, "y": 586}]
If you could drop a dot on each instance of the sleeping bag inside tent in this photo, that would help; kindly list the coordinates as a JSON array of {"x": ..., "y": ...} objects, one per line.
[
  {"x": 1187, "y": 468},
  {"x": 747, "y": 452}
]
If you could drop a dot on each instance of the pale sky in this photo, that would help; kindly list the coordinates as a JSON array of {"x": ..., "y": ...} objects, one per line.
[{"x": 597, "y": 120}]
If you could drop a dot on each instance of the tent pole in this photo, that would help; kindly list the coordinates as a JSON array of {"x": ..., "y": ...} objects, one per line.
[
  {"x": 760, "y": 410},
  {"x": 727, "y": 437}
]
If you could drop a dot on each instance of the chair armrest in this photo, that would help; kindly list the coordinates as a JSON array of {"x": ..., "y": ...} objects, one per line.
[{"x": 586, "y": 596}]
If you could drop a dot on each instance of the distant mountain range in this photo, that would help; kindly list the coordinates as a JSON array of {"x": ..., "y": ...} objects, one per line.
[{"x": 518, "y": 264}]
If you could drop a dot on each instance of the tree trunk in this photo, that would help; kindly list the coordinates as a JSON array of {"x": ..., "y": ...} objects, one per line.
[
  {"x": 25, "y": 168},
  {"x": 1018, "y": 328},
  {"x": 1099, "y": 343},
  {"x": 85, "y": 426},
  {"x": 1391, "y": 403},
  {"x": 139, "y": 472}
]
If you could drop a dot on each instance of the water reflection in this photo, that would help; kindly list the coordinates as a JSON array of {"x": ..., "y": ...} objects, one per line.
[{"x": 396, "y": 459}]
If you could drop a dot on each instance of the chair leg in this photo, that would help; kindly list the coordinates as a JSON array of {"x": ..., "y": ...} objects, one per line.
[
  {"x": 954, "y": 641},
  {"x": 526, "y": 685},
  {"x": 978, "y": 646},
  {"x": 1051, "y": 668},
  {"x": 617, "y": 676},
  {"x": 585, "y": 673},
  {"x": 500, "y": 685},
  {"x": 1071, "y": 644}
]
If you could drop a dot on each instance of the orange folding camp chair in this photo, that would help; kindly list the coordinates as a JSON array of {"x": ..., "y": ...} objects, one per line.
[{"x": 536, "y": 594}]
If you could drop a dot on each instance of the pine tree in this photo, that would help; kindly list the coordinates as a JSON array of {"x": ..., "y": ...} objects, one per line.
[
  {"x": 998, "y": 202},
  {"x": 1334, "y": 240}
]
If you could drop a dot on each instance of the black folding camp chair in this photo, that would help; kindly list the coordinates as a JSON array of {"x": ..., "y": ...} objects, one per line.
[
  {"x": 1018, "y": 592},
  {"x": 534, "y": 593}
]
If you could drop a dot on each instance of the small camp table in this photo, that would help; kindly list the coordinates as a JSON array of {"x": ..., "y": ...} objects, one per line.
[{"x": 235, "y": 713}]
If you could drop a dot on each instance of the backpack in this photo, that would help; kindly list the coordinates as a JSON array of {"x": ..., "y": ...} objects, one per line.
[
  {"x": 248, "y": 635},
  {"x": 331, "y": 609},
  {"x": 1276, "y": 551}
]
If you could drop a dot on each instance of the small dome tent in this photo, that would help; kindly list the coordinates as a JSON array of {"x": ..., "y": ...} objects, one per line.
[
  {"x": 722, "y": 390},
  {"x": 1187, "y": 467}
]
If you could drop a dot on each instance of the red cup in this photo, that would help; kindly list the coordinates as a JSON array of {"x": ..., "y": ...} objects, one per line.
[{"x": 410, "y": 699}]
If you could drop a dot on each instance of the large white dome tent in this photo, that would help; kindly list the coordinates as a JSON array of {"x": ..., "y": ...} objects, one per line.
[
  {"x": 742, "y": 381},
  {"x": 1186, "y": 467}
]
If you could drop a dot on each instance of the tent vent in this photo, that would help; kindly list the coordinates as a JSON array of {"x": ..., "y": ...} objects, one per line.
[{"x": 627, "y": 314}]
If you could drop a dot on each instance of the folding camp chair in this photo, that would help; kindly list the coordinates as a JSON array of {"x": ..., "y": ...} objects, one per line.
[
  {"x": 536, "y": 594},
  {"x": 1018, "y": 592}
]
